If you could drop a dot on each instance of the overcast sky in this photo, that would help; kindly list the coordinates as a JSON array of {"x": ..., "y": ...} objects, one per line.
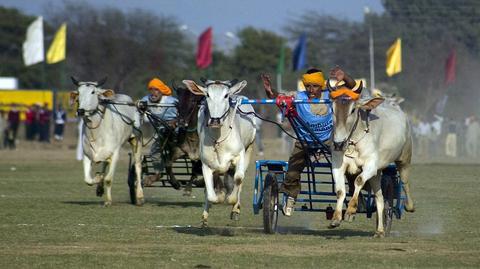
[{"x": 225, "y": 15}]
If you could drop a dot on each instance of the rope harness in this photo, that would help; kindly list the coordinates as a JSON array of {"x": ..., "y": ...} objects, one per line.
[{"x": 340, "y": 146}]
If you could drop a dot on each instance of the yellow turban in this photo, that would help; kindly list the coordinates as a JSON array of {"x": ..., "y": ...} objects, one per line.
[
  {"x": 158, "y": 85},
  {"x": 314, "y": 78}
]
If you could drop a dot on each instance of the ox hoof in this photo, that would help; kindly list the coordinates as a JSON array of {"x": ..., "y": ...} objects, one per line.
[
  {"x": 379, "y": 235},
  {"x": 349, "y": 217},
  {"x": 100, "y": 190},
  {"x": 107, "y": 204},
  {"x": 140, "y": 201},
  {"x": 334, "y": 224},
  {"x": 204, "y": 224},
  {"x": 187, "y": 192},
  {"x": 235, "y": 216}
]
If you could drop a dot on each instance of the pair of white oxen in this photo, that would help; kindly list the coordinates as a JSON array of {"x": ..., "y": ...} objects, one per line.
[{"x": 227, "y": 138}]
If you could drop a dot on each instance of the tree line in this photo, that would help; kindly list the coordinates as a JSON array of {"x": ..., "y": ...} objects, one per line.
[{"x": 132, "y": 47}]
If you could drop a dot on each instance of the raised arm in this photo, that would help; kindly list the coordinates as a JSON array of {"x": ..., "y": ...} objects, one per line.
[
  {"x": 338, "y": 74},
  {"x": 267, "y": 85}
]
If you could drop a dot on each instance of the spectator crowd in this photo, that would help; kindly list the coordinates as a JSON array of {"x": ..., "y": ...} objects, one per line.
[{"x": 37, "y": 124}]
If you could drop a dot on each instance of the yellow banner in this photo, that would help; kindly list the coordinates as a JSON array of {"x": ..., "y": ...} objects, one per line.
[
  {"x": 24, "y": 99},
  {"x": 394, "y": 58},
  {"x": 57, "y": 50}
]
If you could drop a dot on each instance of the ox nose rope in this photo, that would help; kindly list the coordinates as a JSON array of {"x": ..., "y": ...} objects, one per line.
[
  {"x": 227, "y": 113},
  {"x": 348, "y": 141}
]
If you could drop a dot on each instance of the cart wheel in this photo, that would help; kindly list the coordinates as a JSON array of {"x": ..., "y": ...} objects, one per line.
[
  {"x": 270, "y": 204},
  {"x": 388, "y": 210},
  {"x": 132, "y": 176}
]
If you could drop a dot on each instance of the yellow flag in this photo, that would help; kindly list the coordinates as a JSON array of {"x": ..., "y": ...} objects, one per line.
[
  {"x": 394, "y": 58},
  {"x": 57, "y": 50}
]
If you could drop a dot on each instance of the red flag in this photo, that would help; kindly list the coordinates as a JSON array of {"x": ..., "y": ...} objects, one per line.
[
  {"x": 450, "y": 66},
  {"x": 204, "y": 52}
]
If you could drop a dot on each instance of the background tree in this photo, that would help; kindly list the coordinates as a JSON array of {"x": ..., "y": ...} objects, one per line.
[
  {"x": 13, "y": 25},
  {"x": 130, "y": 48}
]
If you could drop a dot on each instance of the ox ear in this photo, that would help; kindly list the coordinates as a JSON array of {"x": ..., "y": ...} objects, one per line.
[
  {"x": 73, "y": 97},
  {"x": 371, "y": 103},
  {"x": 235, "y": 89},
  {"x": 194, "y": 87},
  {"x": 108, "y": 93}
]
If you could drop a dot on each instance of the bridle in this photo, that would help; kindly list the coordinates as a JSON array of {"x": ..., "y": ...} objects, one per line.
[
  {"x": 340, "y": 146},
  {"x": 87, "y": 114},
  {"x": 229, "y": 85}
]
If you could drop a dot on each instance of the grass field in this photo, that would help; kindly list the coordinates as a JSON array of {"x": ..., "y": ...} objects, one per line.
[{"x": 49, "y": 218}]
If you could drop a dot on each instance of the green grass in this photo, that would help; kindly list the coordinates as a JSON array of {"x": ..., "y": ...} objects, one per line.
[{"x": 49, "y": 218}]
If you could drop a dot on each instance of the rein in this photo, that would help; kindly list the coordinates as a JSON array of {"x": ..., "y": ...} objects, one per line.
[
  {"x": 190, "y": 117},
  {"x": 218, "y": 141},
  {"x": 341, "y": 146},
  {"x": 96, "y": 111}
]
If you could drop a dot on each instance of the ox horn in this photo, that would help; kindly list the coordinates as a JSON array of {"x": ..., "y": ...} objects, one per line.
[
  {"x": 174, "y": 86},
  {"x": 359, "y": 88},
  {"x": 329, "y": 87},
  {"x": 75, "y": 81},
  {"x": 102, "y": 81},
  {"x": 233, "y": 82}
]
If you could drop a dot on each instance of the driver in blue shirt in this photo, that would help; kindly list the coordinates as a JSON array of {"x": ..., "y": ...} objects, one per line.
[{"x": 319, "y": 117}]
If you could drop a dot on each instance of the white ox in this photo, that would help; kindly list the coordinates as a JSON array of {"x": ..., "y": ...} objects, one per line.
[
  {"x": 106, "y": 128},
  {"x": 368, "y": 135},
  {"x": 226, "y": 142}
]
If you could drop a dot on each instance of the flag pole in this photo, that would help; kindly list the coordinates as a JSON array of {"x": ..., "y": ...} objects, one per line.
[
  {"x": 372, "y": 64},
  {"x": 280, "y": 68},
  {"x": 279, "y": 82},
  {"x": 371, "y": 50}
]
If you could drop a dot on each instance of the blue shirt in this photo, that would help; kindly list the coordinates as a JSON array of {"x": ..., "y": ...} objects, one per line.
[
  {"x": 321, "y": 125},
  {"x": 165, "y": 113}
]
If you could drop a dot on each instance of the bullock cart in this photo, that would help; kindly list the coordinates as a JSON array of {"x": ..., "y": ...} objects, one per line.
[
  {"x": 318, "y": 190},
  {"x": 178, "y": 170}
]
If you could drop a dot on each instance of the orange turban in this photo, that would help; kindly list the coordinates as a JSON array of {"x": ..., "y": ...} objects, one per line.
[
  {"x": 314, "y": 78},
  {"x": 158, "y": 85}
]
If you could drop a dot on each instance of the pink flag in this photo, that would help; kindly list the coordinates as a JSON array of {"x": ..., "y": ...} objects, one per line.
[
  {"x": 450, "y": 67},
  {"x": 204, "y": 52}
]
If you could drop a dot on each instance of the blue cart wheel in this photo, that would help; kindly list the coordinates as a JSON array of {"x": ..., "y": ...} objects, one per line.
[{"x": 270, "y": 204}]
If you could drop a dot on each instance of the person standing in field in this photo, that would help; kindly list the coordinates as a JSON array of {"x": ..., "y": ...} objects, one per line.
[
  {"x": 13, "y": 123},
  {"x": 44, "y": 123},
  {"x": 60, "y": 120},
  {"x": 29, "y": 123},
  {"x": 451, "y": 140},
  {"x": 3, "y": 127},
  {"x": 472, "y": 138}
]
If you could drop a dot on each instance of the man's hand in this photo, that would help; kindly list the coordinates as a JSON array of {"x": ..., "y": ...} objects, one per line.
[
  {"x": 267, "y": 85},
  {"x": 141, "y": 105},
  {"x": 337, "y": 73}
]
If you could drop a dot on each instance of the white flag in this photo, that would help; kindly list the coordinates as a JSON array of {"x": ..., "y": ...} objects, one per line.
[{"x": 33, "y": 46}]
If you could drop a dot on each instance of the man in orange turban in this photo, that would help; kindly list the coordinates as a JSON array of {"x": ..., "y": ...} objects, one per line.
[
  {"x": 162, "y": 105},
  {"x": 319, "y": 117},
  {"x": 156, "y": 85}
]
